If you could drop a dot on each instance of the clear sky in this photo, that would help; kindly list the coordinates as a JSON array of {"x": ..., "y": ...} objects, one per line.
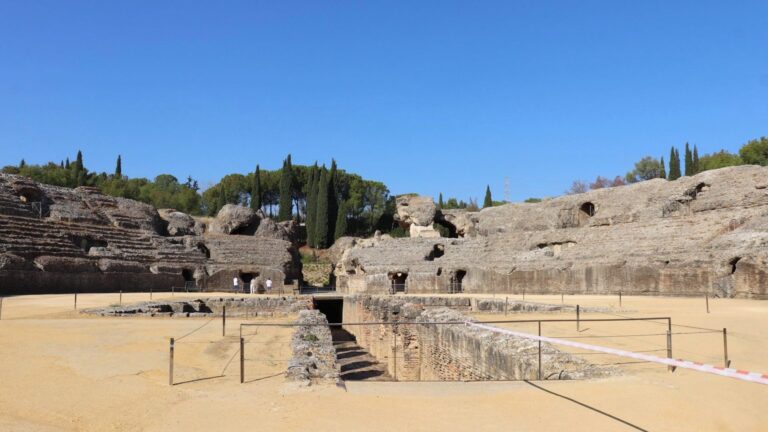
[{"x": 426, "y": 96}]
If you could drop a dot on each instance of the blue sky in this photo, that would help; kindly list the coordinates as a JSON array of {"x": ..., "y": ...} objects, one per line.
[{"x": 424, "y": 96}]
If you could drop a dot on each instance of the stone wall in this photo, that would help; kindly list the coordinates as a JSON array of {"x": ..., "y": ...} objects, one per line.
[
  {"x": 314, "y": 357},
  {"x": 59, "y": 240},
  {"x": 702, "y": 234},
  {"x": 414, "y": 348},
  {"x": 210, "y": 306}
]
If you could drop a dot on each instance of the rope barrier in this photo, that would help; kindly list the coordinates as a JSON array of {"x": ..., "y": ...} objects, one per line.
[{"x": 755, "y": 377}]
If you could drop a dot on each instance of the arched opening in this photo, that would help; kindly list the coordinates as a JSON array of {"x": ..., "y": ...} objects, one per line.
[
  {"x": 448, "y": 229},
  {"x": 437, "y": 251},
  {"x": 398, "y": 282},
  {"x": 588, "y": 209},
  {"x": 246, "y": 277},
  {"x": 456, "y": 281},
  {"x": 188, "y": 275}
]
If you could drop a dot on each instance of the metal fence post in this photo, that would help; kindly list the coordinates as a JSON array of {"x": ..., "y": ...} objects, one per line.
[
  {"x": 121, "y": 298},
  {"x": 669, "y": 350},
  {"x": 619, "y": 298},
  {"x": 562, "y": 298},
  {"x": 170, "y": 365},
  {"x": 726, "y": 362},
  {"x": 578, "y": 318},
  {"x": 1, "y": 308},
  {"x": 707, "y": 299},
  {"x": 506, "y": 305},
  {"x": 223, "y": 320},
  {"x": 242, "y": 360},
  {"x": 150, "y": 293},
  {"x": 75, "y": 300},
  {"x": 539, "y": 351}
]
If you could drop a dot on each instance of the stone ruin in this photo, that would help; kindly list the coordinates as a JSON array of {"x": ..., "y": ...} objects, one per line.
[
  {"x": 313, "y": 356},
  {"x": 212, "y": 306},
  {"x": 56, "y": 240},
  {"x": 706, "y": 233},
  {"x": 440, "y": 347}
]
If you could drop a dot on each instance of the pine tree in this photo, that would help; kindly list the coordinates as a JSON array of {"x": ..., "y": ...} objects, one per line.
[
  {"x": 440, "y": 203},
  {"x": 663, "y": 171},
  {"x": 22, "y": 164},
  {"x": 119, "y": 167},
  {"x": 286, "y": 199},
  {"x": 321, "y": 217},
  {"x": 674, "y": 164},
  {"x": 696, "y": 167},
  {"x": 256, "y": 190},
  {"x": 488, "y": 201},
  {"x": 341, "y": 222},
  {"x": 688, "y": 161}
]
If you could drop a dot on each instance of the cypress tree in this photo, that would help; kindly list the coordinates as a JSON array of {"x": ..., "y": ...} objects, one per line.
[
  {"x": 688, "y": 161},
  {"x": 256, "y": 190},
  {"x": 79, "y": 161},
  {"x": 440, "y": 203},
  {"x": 66, "y": 164},
  {"x": 22, "y": 164},
  {"x": 286, "y": 200},
  {"x": 663, "y": 171},
  {"x": 333, "y": 198},
  {"x": 321, "y": 217},
  {"x": 119, "y": 167},
  {"x": 61, "y": 165},
  {"x": 312, "y": 205},
  {"x": 488, "y": 201},
  {"x": 695, "y": 160},
  {"x": 674, "y": 164},
  {"x": 341, "y": 222}
]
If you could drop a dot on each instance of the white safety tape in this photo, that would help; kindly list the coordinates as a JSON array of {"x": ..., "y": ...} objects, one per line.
[{"x": 727, "y": 372}]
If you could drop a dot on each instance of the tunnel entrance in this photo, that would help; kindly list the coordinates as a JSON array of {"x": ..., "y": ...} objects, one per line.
[
  {"x": 398, "y": 282},
  {"x": 247, "y": 277},
  {"x": 332, "y": 308},
  {"x": 456, "y": 281}
]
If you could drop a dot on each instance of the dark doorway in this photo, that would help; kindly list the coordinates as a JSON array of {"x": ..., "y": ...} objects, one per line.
[
  {"x": 247, "y": 277},
  {"x": 588, "y": 209},
  {"x": 188, "y": 275},
  {"x": 204, "y": 250},
  {"x": 456, "y": 281},
  {"x": 333, "y": 309},
  {"x": 398, "y": 281}
]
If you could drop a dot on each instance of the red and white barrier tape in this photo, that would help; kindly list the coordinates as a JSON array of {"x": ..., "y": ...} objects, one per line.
[{"x": 726, "y": 372}]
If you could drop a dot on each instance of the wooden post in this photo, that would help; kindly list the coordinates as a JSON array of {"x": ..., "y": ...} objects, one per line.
[
  {"x": 578, "y": 318},
  {"x": 539, "y": 351},
  {"x": 223, "y": 320},
  {"x": 170, "y": 365},
  {"x": 619, "y": 298},
  {"x": 121, "y": 298},
  {"x": 523, "y": 293},
  {"x": 562, "y": 298},
  {"x": 75, "y": 300},
  {"x": 506, "y": 305},
  {"x": 707, "y": 298},
  {"x": 242, "y": 360},
  {"x": 726, "y": 362}
]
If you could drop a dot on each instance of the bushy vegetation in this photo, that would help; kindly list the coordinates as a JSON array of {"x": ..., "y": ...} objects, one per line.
[{"x": 332, "y": 202}]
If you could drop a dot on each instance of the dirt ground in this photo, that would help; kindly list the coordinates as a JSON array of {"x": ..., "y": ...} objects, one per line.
[{"x": 62, "y": 371}]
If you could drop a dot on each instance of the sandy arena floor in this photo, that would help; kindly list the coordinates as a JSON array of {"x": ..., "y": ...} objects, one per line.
[{"x": 62, "y": 371}]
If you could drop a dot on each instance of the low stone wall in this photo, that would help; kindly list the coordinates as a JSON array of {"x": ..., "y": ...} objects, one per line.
[
  {"x": 236, "y": 307},
  {"x": 414, "y": 346},
  {"x": 314, "y": 357}
]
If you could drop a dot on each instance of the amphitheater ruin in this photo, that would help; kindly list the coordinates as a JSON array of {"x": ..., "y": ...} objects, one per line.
[{"x": 402, "y": 309}]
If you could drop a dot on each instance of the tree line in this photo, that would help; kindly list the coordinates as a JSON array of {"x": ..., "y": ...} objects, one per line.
[
  {"x": 754, "y": 152},
  {"x": 332, "y": 202}
]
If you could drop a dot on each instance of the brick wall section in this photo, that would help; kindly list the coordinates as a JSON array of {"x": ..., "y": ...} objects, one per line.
[{"x": 414, "y": 350}]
